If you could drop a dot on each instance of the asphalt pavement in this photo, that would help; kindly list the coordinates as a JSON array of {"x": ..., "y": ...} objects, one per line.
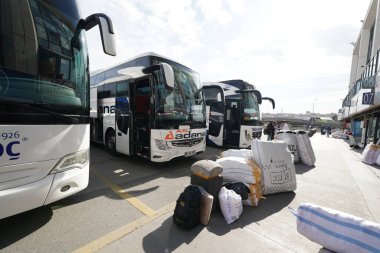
[{"x": 338, "y": 180}]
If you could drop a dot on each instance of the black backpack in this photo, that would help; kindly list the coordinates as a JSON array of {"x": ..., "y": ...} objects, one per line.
[
  {"x": 239, "y": 188},
  {"x": 187, "y": 210}
]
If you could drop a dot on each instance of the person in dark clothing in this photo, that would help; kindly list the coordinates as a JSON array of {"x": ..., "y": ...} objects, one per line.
[{"x": 270, "y": 130}]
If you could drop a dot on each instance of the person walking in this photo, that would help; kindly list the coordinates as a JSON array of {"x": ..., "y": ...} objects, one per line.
[
  {"x": 270, "y": 131},
  {"x": 285, "y": 126}
]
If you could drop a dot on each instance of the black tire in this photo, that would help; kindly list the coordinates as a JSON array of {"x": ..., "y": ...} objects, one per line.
[{"x": 111, "y": 142}]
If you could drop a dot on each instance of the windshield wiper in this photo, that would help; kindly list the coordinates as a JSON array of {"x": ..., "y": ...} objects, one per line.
[{"x": 33, "y": 107}]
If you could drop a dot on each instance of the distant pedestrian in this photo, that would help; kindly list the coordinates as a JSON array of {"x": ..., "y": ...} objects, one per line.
[
  {"x": 270, "y": 130},
  {"x": 285, "y": 126},
  {"x": 328, "y": 131}
]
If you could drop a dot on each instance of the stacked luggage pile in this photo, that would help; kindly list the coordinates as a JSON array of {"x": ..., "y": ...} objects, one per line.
[{"x": 243, "y": 177}]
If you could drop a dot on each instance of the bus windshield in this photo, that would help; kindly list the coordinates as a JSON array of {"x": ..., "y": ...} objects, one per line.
[
  {"x": 251, "y": 107},
  {"x": 184, "y": 103},
  {"x": 49, "y": 75}
]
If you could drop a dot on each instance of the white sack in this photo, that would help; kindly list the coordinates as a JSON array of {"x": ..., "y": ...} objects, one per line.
[
  {"x": 230, "y": 204},
  {"x": 370, "y": 153},
  {"x": 337, "y": 231},
  {"x": 290, "y": 138},
  {"x": 237, "y": 169},
  {"x": 275, "y": 161},
  {"x": 244, "y": 153},
  {"x": 305, "y": 149}
]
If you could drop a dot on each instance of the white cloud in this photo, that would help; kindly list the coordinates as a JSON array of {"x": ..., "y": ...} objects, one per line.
[{"x": 294, "y": 50}]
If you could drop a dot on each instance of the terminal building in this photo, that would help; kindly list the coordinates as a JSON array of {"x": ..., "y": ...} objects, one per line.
[{"x": 361, "y": 107}]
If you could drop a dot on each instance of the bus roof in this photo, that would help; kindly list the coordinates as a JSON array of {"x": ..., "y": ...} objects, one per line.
[
  {"x": 146, "y": 54},
  {"x": 238, "y": 84}
]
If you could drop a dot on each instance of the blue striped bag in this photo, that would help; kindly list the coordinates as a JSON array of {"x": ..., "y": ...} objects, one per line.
[{"x": 337, "y": 231}]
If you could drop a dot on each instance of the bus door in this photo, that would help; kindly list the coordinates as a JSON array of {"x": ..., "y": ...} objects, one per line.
[
  {"x": 122, "y": 118},
  {"x": 232, "y": 133},
  {"x": 215, "y": 108},
  {"x": 141, "y": 107}
]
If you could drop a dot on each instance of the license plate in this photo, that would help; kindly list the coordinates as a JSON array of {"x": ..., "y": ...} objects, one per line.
[{"x": 190, "y": 153}]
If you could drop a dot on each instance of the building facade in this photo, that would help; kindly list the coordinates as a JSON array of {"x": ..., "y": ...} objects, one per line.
[{"x": 361, "y": 106}]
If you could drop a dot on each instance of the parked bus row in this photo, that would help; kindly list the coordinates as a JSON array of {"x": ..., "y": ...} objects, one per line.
[
  {"x": 157, "y": 108},
  {"x": 149, "y": 106}
]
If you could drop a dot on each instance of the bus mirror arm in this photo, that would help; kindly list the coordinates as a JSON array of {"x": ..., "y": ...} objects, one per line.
[
  {"x": 270, "y": 100},
  {"x": 106, "y": 31}
]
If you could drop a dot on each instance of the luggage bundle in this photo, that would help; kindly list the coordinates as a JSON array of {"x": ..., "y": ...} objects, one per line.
[
  {"x": 371, "y": 154},
  {"x": 337, "y": 231},
  {"x": 275, "y": 161},
  {"x": 305, "y": 149},
  {"x": 289, "y": 137}
]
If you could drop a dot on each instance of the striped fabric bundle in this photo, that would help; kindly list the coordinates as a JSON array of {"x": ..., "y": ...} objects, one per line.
[{"x": 337, "y": 231}]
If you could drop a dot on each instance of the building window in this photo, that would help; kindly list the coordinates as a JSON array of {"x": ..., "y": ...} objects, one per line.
[{"x": 370, "y": 43}]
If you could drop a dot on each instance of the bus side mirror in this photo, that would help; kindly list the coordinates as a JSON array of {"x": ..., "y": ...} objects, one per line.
[
  {"x": 169, "y": 74},
  {"x": 270, "y": 100},
  {"x": 258, "y": 96},
  {"x": 166, "y": 70},
  {"x": 106, "y": 31}
]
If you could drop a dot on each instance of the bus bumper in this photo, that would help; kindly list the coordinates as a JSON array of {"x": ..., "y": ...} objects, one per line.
[
  {"x": 42, "y": 192},
  {"x": 67, "y": 183},
  {"x": 167, "y": 155}
]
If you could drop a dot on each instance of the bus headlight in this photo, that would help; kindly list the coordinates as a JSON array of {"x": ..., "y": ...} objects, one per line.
[
  {"x": 162, "y": 145},
  {"x": 76, "y": 160}
]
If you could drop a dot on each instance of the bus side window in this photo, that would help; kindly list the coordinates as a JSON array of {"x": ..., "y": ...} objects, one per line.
[
  {"x": 122, "y": 89},
  {"x": 111, "y": 89}
]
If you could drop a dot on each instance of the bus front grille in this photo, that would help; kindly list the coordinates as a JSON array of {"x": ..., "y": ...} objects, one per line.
[
  {"x": 187, "y": 143},
  {"x": 256, "y": 134}
]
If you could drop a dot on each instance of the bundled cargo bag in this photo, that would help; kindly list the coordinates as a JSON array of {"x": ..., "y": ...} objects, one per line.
[
  {"x": 275, "y": 161},
  {"x": 187, "y": 209},
  {"x": 238, "y": 169},
  {"x": 290, "y": 139},
  {"x": 337, "y": 231},
  {"x": 305, "y": 150},
  {"x": 230, "y": 204},
  {"x": 206, "y": 206},
  {"x": 370, "y": 153},
  {"x": 243, "y": 153},
  {"x": 206, "y": 169},
  {"x": 239, "y": 188}
]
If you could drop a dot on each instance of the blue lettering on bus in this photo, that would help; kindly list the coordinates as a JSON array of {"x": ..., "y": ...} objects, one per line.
[{"x": 9, "y": 150}]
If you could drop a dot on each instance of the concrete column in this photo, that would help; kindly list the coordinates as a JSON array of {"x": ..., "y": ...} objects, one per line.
[
  {"x": 376, "y": 32},
  {"x": 363, "y": 50}
]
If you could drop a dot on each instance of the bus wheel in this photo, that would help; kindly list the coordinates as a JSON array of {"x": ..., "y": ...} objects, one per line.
[{"x": 111, "y": 142}]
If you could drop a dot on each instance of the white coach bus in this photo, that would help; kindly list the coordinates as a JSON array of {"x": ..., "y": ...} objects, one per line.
[
  {"x": 149, "y": 106},
  {"x": 44, "y": 101},
  {"x": 233, "y": 113}
]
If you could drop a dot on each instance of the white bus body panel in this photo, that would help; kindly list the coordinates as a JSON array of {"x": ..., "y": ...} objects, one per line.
[
  {"x": 175, "y": 141},
  {"x": 108, "y": 107},
  {"x": 93, "y": 102},
  {"x": 25, "y": 182}
]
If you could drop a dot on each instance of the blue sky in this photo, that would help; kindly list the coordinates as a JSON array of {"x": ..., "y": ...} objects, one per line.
[{"x": 295, "y": 51}]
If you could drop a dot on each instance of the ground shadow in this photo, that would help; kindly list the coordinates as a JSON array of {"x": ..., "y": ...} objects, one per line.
[
  {"x": 14, "y": 228},
  {"x": 169, "y": 237},
  {"x": 302, "y": 168},
  {"x": 273, "y": 204}
]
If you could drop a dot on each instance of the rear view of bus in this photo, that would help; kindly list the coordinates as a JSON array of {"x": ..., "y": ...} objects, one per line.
[{"x": 44, "y": 101}]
